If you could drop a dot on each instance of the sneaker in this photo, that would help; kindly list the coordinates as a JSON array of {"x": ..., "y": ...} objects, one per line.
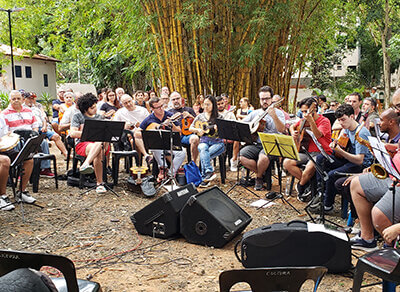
[
  {"x": 204, "y": 184},
  {"x": 86, "y": 169},
  {"x": 5, "y": 204},
  {"x": 316, "y": 202},
  {"x": 209, "y": 176},
  {"x": 46, "y": 173},
  {"x": 149, "y": 160},
  {"x": 361, "y": 244},
  {"x": 27, "y": 198},
  {"x": 258, "y": 186},
  {"x": 328, "y": 210},
  {"x": 101, "y": 189},
  {"x": 234, "y": 165},
  {"x": 305, "y": 197}
]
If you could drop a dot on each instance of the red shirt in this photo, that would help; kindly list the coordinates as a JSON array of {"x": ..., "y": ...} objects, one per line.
[{"x": 324, "y": 126}]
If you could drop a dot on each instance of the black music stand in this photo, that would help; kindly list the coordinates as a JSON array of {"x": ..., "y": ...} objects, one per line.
[
  {"x": 102, "y": 131},
  {"x": 279, "y": 145},
  {"x": 236, "y": 131},
  {"x": 166, "y": 140},
  {"x": 30, "y": 148}
]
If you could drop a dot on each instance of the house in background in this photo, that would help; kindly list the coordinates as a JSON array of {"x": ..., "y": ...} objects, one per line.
[{"x": 36, "y": 73}]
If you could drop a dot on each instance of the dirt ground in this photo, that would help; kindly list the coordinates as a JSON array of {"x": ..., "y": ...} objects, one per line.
[{"x": 95, "y": 231}]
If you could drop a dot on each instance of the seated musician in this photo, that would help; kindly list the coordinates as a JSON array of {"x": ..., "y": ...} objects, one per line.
[
  {"x": 371, "y": 196},
  {"x": 41, "y": 118},
  {"x": 188, "y": 114},
  {"x": 91, "y": 150},
  {"x": 210, "y": 145},
  {"x": 65, "y": 122},
  {"x": 253, "y": 157},
  {"x": 21, "y": 119},
  {"x": 351, "y": 160},
  {"x": 229, "y": 115},
  {"x": 369, "y": 106},
  {"x": 153, "y": 121},
  {"x": 6, "y": 157},
  {"x": 321, "y": 128},
  {"x": 132, "y": 115}
]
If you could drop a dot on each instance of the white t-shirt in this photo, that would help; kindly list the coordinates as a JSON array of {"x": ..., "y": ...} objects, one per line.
[
  {"x": 69, "y": 113},
  {"x": 3, "y": 127},
  {"x": 137, "y": 115}
]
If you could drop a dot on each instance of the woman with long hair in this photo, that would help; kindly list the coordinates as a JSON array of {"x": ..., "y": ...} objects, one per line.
[
  {"x": 111, "y": 105},
  {"x": 198, "y": 105},
  {"x": 210, "y": 145}
]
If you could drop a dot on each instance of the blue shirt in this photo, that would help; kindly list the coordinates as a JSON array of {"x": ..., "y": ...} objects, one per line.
[
  {"x": 153, "y": 119},
  {"x": 357, "y": 148}
]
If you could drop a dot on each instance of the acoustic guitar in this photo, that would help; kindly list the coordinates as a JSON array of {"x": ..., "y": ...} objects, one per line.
[
  {"x": 186, "y": 122},
  {"x": 304, "y": 140},
  {"x": 167, "y": 123}
]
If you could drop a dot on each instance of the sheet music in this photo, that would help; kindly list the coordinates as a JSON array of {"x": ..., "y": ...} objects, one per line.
[
  {"x": 321, "y": 149},
  {"x": 383, "y": 156}
]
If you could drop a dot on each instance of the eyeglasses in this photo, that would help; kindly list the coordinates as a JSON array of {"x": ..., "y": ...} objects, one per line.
[
  {"x": 154, "y": 108},
  {"x": 265, "y": 98}
]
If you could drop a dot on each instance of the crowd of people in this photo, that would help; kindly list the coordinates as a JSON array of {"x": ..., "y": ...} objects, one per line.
[{"x": 319, "y": 126}]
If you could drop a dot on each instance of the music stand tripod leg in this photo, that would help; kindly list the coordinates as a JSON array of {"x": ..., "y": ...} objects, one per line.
[{"x": 237, "y": 183}]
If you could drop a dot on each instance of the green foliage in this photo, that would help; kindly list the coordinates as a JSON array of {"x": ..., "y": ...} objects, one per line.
[
  {"x": 46, "y": 100},
  {"x": 4, "y": 100}
]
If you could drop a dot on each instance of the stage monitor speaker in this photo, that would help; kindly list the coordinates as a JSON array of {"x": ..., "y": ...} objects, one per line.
[
  {"x": 211, "y": 218},
  {"x": 295, "y": 244},
  {"x": 161, "y": 217}
]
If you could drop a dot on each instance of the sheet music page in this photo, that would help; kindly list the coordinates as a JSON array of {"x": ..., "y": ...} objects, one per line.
[{"x": 383, "y": 156}]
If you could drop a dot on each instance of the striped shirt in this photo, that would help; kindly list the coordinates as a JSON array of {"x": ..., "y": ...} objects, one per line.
[{"x": 22, "y": 120}]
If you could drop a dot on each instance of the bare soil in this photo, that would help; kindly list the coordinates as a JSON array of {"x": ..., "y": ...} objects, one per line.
[{"x": 95, "y": 231}]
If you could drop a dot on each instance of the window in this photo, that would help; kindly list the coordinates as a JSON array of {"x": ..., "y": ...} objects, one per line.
[
  {"x": 46, "y": 80},
  {"x": 18, "y": 71},
  {"x": 28, "y": 72},
  {"x": 338, "y": 67}
]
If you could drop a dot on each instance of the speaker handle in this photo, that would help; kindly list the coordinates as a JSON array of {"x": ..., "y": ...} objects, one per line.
[
  {"x": 296, "y": 221},
  {"x": 236, "y": 250}
]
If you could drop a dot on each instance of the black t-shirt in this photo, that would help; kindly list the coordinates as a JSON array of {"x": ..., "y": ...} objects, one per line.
[{"x": 107, "y": 107}]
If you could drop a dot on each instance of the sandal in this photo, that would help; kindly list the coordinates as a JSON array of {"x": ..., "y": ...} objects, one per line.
[{"x": 101, "y": 189}]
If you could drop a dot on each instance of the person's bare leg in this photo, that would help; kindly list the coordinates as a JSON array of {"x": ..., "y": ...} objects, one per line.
[
  {"x": 98, "y": 168},
  {"x": 363, "y": 208},
  {"x": 4, "y": 169},
  {"x": 291, "y": 166},
  {"x": 380, "y": 220},
  {"x": 139, "y": 142},
  {"x": 235, "y": 152},
  {"x": 59, "y": 143},
  {"x": 92, "y": 151},
  {"x": 308, "y": 173},
  {"x": 248, "y": 163},
  {"x": 262, "y": 165},
  {"x": 194, "y": 141}
]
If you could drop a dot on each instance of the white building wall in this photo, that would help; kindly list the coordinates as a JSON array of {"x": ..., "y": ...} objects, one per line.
[{"x": 36, "y": 83}]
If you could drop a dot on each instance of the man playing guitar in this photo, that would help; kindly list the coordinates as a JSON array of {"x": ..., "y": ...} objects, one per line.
[
  {"x": 351, "y": 160},
  {"x": 188, "y": 115},
  {"x": 160, "y": 117},
  {"x": 253, "y": 157},
  {"x": 321, "y": 128}
]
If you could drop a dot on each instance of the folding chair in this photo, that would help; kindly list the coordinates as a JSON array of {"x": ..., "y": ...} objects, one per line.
[
  {"x": 12, "y": 260},
  {"x": 272, "y": 279}
]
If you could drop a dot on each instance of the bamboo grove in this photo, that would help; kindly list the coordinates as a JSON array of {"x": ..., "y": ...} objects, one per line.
[{"x": 233, "y": 47}]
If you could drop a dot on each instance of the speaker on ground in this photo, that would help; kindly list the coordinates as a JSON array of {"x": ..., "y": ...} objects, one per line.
[
  {"x": 161, "y": 217},
  {"x": 212, "y": 218}
]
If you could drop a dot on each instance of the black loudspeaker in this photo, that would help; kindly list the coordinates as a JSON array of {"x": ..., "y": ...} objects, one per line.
[
  {"x": 211, "y": 218},
  {"x": 296, "y": 243},
  {"x": 161, "y": 217}
]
